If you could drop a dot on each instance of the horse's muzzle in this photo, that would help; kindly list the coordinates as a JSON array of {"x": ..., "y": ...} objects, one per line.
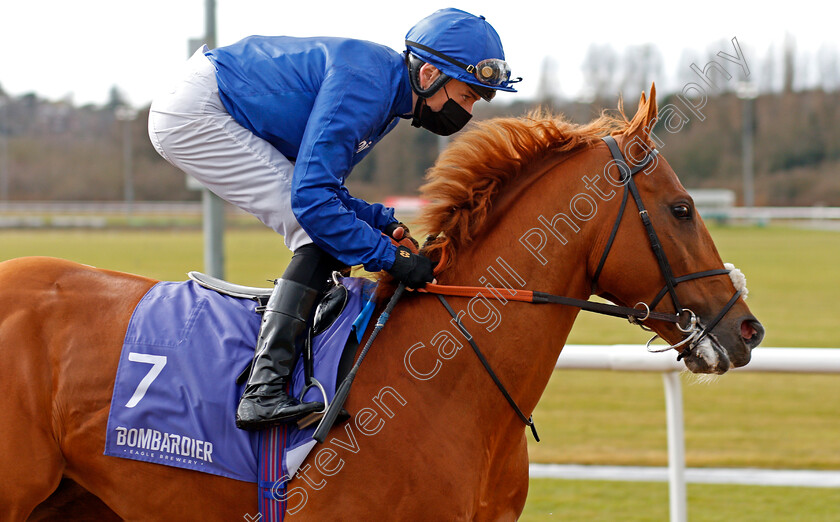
[{"x": 728, "y": 346}]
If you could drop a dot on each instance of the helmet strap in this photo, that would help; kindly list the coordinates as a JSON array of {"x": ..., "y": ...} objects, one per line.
[
  {"x": 414, "y": 65},
  {"x": 418, "y": 109}
]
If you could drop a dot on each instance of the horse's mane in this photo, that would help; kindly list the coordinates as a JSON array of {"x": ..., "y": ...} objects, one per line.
[{"x": 469, "y": 175}]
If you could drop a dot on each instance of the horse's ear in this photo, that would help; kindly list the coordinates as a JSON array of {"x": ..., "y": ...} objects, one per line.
[{"x": 645, "y": 117}]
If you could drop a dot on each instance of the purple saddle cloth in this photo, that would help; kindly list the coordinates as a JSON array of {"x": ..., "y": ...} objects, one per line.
[{"x": 175, "y": 394}]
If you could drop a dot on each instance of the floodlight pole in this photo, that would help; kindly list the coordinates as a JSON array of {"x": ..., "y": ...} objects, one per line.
[
  {"x": 4, "y": 149},
  {"x": 4, "y": 167},
  {"x": 213, "y": 206},
  {"x": 126, "y": 116}
]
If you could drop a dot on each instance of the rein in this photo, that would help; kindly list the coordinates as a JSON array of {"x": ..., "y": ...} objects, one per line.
[
  {"x": 529, "y": 421},
  {"x": 695, "y": 332},
  {"x": 534, "y": 297}
]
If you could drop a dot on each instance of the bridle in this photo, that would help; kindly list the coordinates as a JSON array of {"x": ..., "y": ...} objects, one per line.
[
  {"x": 694, "y": 331},
  {"x": 685, "y": 319}
]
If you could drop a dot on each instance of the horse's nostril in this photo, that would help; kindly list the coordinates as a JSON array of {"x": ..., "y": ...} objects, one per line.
[
  {"x": 752, "y": 332},
  {"x": 747, "y": 330}
]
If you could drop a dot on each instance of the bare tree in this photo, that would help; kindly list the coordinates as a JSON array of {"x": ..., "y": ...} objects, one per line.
[
  {"x": 642, "y": 65},
  {"x": 685, "y": 75},
  {"x": 599, "y": 71},
  {"x": 548, "y": 88},
  {"x": 767, "y": 80},
  {"x": 116, "y": 98},
  {"x": 789, "y": 64},
  {"x": 828, "y": 65}
]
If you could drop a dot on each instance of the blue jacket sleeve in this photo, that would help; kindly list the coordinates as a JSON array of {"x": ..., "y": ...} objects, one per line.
[
  {"x": 347, "y": 110},
  {"x": 376, "y": 215}
]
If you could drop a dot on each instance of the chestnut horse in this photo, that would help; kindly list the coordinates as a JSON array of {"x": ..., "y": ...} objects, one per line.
[{"x": 521, "y": 202}]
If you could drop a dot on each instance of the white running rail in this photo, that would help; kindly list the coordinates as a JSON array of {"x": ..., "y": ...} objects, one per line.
[{"x": 636, "y": 358}]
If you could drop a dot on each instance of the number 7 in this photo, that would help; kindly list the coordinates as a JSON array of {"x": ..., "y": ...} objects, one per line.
[{"x": 157, "y": 362}]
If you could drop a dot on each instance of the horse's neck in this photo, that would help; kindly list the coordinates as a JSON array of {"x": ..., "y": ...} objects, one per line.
[{"x": 527, "y": 333}]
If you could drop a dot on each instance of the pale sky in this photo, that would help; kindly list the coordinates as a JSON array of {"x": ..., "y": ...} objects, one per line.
[{"x": 81, "y": 48}]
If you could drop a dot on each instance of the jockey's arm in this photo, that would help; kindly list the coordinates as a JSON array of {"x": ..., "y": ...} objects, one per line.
[
  {"x": 376, "y": 215},
  {"x": 347, "y": 110}
]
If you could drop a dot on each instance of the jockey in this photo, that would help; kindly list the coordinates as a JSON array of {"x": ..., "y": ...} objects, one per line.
[{"x": 273, "y": 125}]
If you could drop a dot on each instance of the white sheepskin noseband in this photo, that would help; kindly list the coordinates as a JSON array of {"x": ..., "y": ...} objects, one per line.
[{"x": 738, "y": 279}]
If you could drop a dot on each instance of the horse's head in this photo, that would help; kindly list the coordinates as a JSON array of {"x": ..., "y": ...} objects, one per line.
[
  {"x": 688, "y": 276},
  {"x": 647, "y": 248}
]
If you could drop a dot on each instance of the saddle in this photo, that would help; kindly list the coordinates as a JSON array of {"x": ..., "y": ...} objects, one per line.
[{"x": 327, "y": 310}]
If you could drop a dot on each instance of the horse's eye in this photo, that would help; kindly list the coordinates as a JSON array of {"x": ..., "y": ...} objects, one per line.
[{"x": 681, "y": 211}]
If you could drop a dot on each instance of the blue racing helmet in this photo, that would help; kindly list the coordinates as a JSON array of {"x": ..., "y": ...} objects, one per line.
[{"x": 462, "y": 46}]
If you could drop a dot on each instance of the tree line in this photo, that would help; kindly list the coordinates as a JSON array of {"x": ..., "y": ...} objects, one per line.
[{"x": 54, "y": 150}]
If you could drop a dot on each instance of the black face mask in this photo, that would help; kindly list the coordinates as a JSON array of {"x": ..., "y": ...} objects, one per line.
[{"x": 448, "y": 120}]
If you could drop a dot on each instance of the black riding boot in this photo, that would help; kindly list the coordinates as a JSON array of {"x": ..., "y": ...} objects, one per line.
[{"x": 265, "y": 401}]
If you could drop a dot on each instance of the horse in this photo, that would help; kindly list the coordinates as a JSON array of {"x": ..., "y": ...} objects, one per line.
[{"x": 530, "y": 202}]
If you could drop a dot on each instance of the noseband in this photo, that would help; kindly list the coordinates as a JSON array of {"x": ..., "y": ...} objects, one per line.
[{"x": 694, "y": 331}]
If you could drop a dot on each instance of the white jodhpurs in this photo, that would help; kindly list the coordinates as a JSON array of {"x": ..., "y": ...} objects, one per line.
[{"x": 191, "y": 129}]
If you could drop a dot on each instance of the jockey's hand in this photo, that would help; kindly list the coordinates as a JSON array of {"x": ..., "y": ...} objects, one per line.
[
  {"x": 400, "y": 234},
  {"x": 415, "y": 270}
]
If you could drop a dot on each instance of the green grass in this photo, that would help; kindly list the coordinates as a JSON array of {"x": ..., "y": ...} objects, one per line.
[
  {"x": 569, "y": 500},
  {"x": 740, "y": 420},
  {"x": 252, "y": 256}
]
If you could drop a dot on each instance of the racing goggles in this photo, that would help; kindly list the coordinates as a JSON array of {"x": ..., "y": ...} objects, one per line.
[{"x": 491, "y": 72}]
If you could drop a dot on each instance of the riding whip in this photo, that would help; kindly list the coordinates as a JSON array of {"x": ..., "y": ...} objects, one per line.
[{"x": 343, "y": 390}]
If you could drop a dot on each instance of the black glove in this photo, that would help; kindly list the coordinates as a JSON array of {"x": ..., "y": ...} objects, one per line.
[
  {"x": 415, "y": 270},
  {"x": 391, "y": 227}
]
